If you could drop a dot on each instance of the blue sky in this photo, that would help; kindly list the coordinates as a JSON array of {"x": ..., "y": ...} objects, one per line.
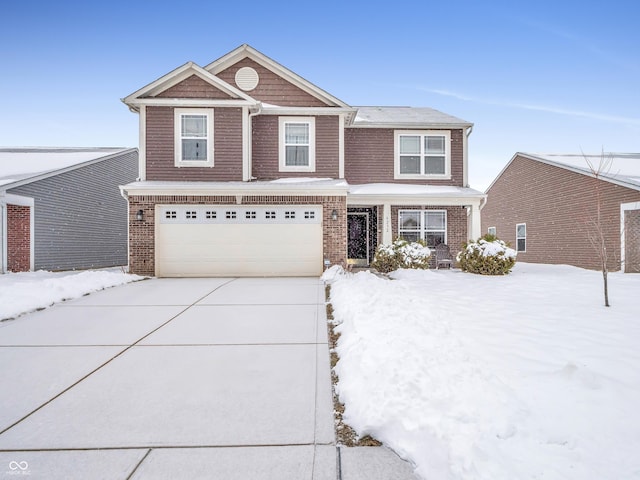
[{"x": 544, "y": 76}]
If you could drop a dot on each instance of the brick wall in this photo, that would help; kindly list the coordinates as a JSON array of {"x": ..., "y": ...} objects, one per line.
[
  {"x": 559, "y": 207},
  {"x": 142, "y": 233},
  {"x": 18, "y": 238},
  {"x": 632, "y": 241}
]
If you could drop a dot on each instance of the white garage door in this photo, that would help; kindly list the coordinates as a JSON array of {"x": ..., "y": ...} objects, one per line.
[{"x": 238, "y": 240}]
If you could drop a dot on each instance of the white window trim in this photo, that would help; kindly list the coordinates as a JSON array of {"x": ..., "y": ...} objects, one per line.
[
  {"x": 525, "y": 238},
  {"x": 178, "y": 113},
  {"x": 282, "y": 121},
  {"x": 423, "y": 230},
  {"x": 495, "y": 231},
  {"x": 412, "y": 176}
]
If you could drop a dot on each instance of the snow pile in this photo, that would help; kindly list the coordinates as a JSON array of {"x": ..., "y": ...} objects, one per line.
[
  {"x": 474, "y": 377},
  {"x": 25, "y": 292},
  {"x": 411, "y": 253}
]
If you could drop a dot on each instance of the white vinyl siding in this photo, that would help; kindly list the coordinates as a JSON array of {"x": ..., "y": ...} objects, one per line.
[
  {"x": 297, "y": 138},
  {"x": 193, "y": 137},
  {"x": 422, "y": 154}
]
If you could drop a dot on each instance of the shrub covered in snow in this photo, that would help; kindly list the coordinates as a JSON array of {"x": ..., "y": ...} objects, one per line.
[
  {"x": 401, "y": 254},
  {"x": 487, "y": 256}
]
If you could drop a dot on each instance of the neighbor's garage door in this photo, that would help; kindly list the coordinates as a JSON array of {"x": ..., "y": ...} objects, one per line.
[{"x": 232, "y": 240}]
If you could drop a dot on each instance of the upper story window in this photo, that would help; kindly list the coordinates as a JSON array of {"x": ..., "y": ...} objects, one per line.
[
  {"x": 423, "y": 154},
  {"x": 193, "y": 137},
  {"x": 297, "y": 144}
]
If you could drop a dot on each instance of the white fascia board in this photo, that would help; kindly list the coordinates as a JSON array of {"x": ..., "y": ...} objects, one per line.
[
  {"x": 276, "y": 110},
  {"x": 436, "y": 200},
  {"x": 414, "y": 126},
  {"x": 245, "y": 50},
  {"x": 180, "y": 74},
  {"x": 234, "y": 188},
  {"x": 190, "y": 102}
]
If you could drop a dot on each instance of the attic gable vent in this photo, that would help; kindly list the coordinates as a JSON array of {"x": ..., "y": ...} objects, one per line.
[{"x": 247, "y": 78}]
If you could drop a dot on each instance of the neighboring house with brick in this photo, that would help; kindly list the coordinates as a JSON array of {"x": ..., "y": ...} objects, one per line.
[
  {"x": 545, "y": 206},
  {"x": 248, "y": 169},
  {"x": 61, "y": 208}
]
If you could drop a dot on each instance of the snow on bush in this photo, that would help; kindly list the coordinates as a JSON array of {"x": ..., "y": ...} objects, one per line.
[
  {"x": 401, "y": 254},
  {"x": 487, "y": 256}
]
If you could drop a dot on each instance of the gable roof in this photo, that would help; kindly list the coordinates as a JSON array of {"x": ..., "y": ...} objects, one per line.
[
  {"x": 624, "y": 168},
  {"x": 176, "y": 76},
  {"x": 19, "y": 166},
  {"x": 246, "y": 51},
  {"x": 406, "y": 117}
]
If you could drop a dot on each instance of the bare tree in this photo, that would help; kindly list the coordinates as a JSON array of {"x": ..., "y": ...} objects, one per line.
[{"x": 597, "y": 234}]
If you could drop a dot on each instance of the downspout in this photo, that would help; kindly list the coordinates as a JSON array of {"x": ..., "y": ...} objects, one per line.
[
  {"x": 255, "y": 112},
  {"x": 465, "y": 157}
]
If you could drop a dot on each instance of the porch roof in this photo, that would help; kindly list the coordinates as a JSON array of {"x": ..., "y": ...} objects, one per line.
[{"x": 403, "y": 194}]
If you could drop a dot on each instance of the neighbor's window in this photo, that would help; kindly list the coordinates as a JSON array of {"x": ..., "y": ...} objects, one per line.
[
  {"x": 427, "y": 225},
  {"x": 521, "y": 237},
  {"x": 297, "y": 144},
  {"x": 422, "y": 153},
  {"x": 492, "y": 231},
  {"x": 193, "y": 137}
]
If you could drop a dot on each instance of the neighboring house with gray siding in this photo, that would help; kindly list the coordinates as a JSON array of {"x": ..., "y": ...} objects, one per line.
[
  {"x": 61, "y": 208},
  {"x": 545, "y": 206}
]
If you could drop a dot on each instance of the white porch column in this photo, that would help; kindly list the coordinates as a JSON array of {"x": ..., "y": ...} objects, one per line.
[
  {"x": 386, "y": 224},
  {"x": 474, "y": 224}
]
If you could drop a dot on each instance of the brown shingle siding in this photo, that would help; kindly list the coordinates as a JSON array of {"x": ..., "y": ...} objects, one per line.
[
  {"x": 271, "y": 88},
  {"x": 265, "y": 149},
  {"x": 227, "y": 138},
  {"x": 369, "y": 157},
  {"x": 194, "y": 87},
  {"x": 559, "y": 208}
]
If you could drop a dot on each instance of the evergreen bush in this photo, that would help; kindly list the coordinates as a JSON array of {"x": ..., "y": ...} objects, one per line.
[
  {"x": 487, "y": 256},
  {"x": 401, "y": 254}
]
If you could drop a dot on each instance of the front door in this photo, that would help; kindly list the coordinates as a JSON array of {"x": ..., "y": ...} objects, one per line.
[{"x": 358, "y": 238}]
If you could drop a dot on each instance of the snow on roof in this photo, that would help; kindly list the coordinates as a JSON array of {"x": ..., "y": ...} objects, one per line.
[
  {"x": 623, "y": 169},
  {"x": 21, "y": 163},
  {"x": 405, "y": 116},
  {"x": 398, "y": 189}
]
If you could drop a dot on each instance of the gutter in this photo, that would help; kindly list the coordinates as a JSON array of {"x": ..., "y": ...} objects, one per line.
[{"x": 465, "y": 157}]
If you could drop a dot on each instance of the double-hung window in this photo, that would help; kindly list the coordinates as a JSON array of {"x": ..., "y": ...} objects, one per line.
[
  {"x": 427, "y": 225},
  {"x": 521, "y": 237},
  {"x": 297, "y": 144},
  {"x": 422, "y": 154},
  {"x": 193, "y": 137}
]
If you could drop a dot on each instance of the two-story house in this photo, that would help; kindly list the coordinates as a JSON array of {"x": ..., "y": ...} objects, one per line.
[{"x": 248, "y": 169}]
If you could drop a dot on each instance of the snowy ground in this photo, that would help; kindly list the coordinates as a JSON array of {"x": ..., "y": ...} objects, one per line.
[
  {"x": 25, "y": 292},
  {"x": 526, "y": 376}
]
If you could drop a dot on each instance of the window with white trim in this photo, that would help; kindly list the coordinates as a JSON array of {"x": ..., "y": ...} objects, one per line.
[
  {"x": 193, "y": 137},
  {"x": 492, "y": 231},
  {"x": 422, "y": 154},
  {"x": 521, "y": 237},
  {"x": 297, "y": 144},
  {"x": 427, "y": 225}
]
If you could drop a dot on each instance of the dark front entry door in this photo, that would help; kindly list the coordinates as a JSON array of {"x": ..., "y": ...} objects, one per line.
[{"x": 358, "y": 238}]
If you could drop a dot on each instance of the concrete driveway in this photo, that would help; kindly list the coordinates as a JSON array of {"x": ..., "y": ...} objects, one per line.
[{"x": 177, "y": 378}]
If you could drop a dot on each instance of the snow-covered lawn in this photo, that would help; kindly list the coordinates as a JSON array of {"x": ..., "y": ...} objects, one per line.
[
  {"x": 25, "y": 292},
  {"x": 526, "y": 376}
]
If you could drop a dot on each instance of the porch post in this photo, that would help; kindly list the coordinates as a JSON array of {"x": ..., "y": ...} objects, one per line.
[
  {"x": 475, "y": 226},
  {"x": 386, "y": 224}
]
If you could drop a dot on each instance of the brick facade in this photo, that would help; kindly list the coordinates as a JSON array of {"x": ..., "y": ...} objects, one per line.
[
  {"x": 142, "y": 233},
  {"x": 558, "y": 206},
  {"x": 632, "y": 241},
  {"x": 18, "y": 238}
]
